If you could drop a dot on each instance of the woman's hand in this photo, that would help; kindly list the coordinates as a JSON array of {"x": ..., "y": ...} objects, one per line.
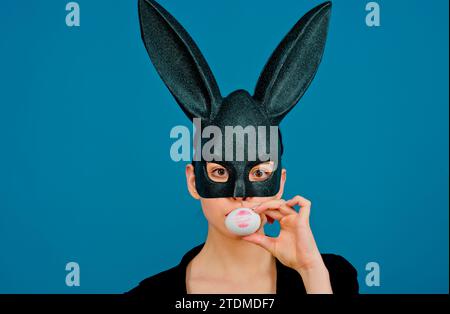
[{"x": 295, "y": 246}]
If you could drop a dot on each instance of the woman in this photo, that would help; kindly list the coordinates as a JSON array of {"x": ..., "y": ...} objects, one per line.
[
  {"x": 291, "y": 263},
  {"x": 227, "y": 263}
]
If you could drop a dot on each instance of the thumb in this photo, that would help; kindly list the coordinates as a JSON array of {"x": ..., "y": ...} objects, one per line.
[{"x": 264, "y": 241}]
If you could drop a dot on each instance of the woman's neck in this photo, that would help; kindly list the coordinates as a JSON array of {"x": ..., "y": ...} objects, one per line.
[{"x": 229, "y": 257}]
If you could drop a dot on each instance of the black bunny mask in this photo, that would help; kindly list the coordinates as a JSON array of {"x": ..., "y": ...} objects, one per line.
[{"x": 282, "y": 83}]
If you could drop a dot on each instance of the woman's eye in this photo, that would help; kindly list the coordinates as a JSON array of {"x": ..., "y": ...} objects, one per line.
[
  {"x": 258, "y": 173},
  {"x": 220, "y": 172},
  {"x": 261, "y": 172},
  {"x": 217, "y": 173}
]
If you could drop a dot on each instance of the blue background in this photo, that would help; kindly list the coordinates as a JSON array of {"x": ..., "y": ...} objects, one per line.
[{"x": 85, "y": 170}]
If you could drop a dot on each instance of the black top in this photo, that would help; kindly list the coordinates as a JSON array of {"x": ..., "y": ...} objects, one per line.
[{"x": 172, "y": 282}]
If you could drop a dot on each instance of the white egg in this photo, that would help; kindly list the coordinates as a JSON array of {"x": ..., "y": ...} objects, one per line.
[{"x": 243, "y": 221}]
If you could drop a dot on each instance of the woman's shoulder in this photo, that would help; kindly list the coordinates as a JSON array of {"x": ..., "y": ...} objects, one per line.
[
  {"x": 343, "y": 275},
  {"x": 160, "y": 283},
  {"x": 168, "y": 282}
]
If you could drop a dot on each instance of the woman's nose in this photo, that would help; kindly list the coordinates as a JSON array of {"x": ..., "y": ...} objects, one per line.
[{"x": 239, "y": 189}]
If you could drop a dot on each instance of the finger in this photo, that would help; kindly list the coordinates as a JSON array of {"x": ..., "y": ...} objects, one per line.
[
  {"x": 264, "y": 241},
  {"x": 273, "y": 214},
  {"x": 305, "y": 207},
  {"x": 268, "y": 204},
  {"x": 298, "y": 200},
  {"x": 255, "y": 205},
  {"x": 275, "y": 204},
  {"x": 263, "y": 220}
]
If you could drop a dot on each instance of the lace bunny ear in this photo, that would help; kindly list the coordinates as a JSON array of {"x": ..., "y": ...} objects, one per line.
[
  {"x": 178, "y": 61},
  {"x": 293, "y": 64}
]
